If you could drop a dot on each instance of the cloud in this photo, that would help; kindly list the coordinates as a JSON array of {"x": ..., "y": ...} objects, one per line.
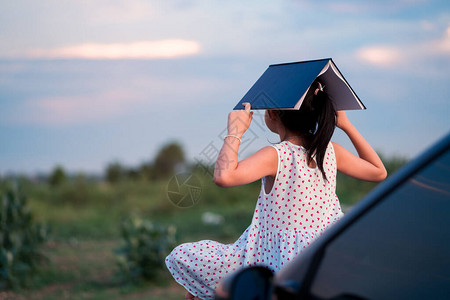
[
  {"x": 381, "y": 6},
  {"x": 136, "y": 92},
  {"x": 79, "y": 109},
  {"x": 347, "y": 7},
  {"x": 383, "y": 56},
  {"x": 390, "y": 56},
  {"x": 116, "y": 11},
  {"x": 160, "y": 49},
  {"x": 442, "y": 45}
]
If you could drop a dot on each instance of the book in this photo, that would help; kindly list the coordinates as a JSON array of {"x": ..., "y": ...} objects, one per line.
[{"x": 284, "y": 86}]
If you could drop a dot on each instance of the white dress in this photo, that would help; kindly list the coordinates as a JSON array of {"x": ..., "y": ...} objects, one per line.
[{"x": 300, "y": 206}]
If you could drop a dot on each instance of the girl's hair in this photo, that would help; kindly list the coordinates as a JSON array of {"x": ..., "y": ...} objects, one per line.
[{"x": 315, "y": 121}]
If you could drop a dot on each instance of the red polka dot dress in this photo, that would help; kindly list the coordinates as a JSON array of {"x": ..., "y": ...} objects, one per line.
[{"x": 300, "y": 206}]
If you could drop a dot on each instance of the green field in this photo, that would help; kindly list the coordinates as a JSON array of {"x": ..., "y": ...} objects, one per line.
[{"x": 85, "y": 216}]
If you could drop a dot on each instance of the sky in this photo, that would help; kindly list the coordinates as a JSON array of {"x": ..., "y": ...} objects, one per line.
[{"x": 85, "y": 83}]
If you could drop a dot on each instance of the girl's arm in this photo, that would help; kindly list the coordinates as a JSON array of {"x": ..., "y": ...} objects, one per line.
[
  {"x": 228, "y": 171},
  {"x": 368, "y": 166}
]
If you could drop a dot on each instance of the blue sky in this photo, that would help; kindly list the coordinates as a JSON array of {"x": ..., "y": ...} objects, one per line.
[{"x": 84, "y": 83}]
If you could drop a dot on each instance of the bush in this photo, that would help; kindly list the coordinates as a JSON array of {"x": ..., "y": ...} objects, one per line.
[
  {"x": 75, "y": 192},
  {"x": 57, "y": 177},
  {"x": 146, "y": 245},
  {"x": 114, "y": 172},
  {"x": 20, "y": 238}
]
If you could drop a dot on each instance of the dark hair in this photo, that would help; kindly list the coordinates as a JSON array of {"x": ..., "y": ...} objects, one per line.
[{"x": 315, "y": 122}]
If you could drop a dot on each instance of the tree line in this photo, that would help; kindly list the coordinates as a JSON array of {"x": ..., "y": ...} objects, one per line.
[
  {"x": 167, "y": 161},
  {"x": 170, "y": 157}
]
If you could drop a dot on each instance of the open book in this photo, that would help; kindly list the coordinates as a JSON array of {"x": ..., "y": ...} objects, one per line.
[{"x": 284, "y": 86}]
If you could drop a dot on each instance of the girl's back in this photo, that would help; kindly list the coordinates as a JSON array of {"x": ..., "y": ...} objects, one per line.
[{"x": 299, "y": 206}]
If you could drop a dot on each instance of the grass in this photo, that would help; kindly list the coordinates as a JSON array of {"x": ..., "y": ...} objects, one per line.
[
  {"x": 85, "y": 233},
  {"x": 98, "y": 216},
  {"x": 86, "y": 270}
]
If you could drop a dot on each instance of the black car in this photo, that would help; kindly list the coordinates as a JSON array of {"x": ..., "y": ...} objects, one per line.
[{"x": 394, "y": 244}]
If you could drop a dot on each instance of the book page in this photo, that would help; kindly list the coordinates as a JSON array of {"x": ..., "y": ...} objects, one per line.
[{"x": 335, "y": 84}]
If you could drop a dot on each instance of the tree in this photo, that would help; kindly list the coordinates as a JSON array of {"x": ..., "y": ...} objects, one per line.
[
  {"x": 168, "y": 158},
  {"x": 393, "y": 163},
  {"x": 114, "y": 172},
  {"x": 57, "y": 176},
  {"x": 146, "y": 171}
]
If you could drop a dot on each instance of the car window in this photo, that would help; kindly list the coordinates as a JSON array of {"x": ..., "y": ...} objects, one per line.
[{"x": 398, "y": 250}]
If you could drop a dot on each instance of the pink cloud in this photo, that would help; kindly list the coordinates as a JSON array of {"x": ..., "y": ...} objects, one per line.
[
  {"x": 396, "y": 55},
  {"x": 379, "y": 55},
  {"x": 160, "y": 49}
]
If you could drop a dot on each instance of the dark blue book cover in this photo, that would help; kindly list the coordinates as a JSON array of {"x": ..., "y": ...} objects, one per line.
[{"x": 284, "y": 86}]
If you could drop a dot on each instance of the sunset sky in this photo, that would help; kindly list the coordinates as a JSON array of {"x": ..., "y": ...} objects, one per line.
[{"x": 84, "y": 83}]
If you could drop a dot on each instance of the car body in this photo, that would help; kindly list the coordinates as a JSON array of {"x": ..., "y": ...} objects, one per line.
[{"x": 394, "y": 244}]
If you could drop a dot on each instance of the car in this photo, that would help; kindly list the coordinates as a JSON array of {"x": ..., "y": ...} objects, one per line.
[{"x": 394, "y": 244}]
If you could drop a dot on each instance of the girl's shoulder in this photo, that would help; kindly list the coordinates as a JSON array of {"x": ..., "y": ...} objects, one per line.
[
  {"x": 279, "y": 145},
  {"x": 282, "y": 147},
  {"x": 287, "y": 148}
]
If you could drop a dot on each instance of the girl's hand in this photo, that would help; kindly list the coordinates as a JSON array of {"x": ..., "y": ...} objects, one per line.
[
  {"x": 342, "y": 121},
  {"x": 228, "y": 171},
  {"x": 239, "y": 120}
]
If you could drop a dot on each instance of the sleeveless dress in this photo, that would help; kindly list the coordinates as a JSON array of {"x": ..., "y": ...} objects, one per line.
[{"x": 300, "y": 206}]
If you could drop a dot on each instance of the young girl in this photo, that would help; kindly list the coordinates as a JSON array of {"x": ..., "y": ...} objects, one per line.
[{"x": 298, "y": 198}]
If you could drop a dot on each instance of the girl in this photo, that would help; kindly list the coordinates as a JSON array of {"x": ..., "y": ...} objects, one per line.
[{"x": 297, "y": 201}]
